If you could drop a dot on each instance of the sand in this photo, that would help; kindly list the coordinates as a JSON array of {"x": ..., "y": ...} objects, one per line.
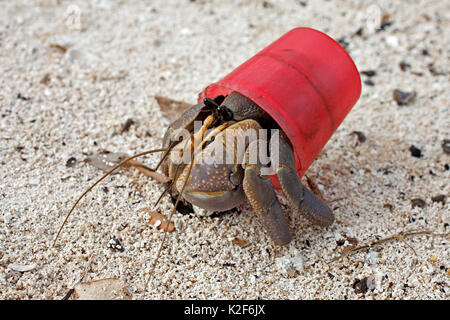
[{"x": 71, "y": 75}]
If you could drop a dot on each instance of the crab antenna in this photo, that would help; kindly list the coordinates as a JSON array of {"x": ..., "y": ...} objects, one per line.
[
  {"x": 169, "y": 149},
  {"x": 168, "y": 187},
  {"x": 174, "y": 208},
  {"x": 98, "y": 181},
  {"x": 163, "y": 193}
]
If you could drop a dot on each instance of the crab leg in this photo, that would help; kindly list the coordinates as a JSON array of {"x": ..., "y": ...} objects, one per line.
[
  {"x": 100, "y": 161},
  {"x": 261, "y": 195},
  {"x": 148, "y": 171},
  {"x": 298, "y": 196}
]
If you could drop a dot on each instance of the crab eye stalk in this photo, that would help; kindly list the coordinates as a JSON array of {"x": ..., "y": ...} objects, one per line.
[
  {"x": 221, "y": 113},
  {"x": 210, "y": 103},
  {"x": 224, "y": 113}
]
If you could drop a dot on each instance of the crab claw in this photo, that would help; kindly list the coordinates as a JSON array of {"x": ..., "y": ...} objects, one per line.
[
  {"x": 261, "y": 195},
  {"x": 298, "y": 196}
]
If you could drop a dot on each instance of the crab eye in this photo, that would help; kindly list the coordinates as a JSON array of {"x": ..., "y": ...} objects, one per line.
[
  {"x": 225, "y": 113},
  {"x": 210, "y": 103}
]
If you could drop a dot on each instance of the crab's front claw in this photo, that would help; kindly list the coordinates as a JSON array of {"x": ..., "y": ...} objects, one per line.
[
  {"x": 298, "y": 196},
  {"x": 261, "y": 195},
  {"x": 302, "y": 199},
  {"x": 316, "y": 209}
]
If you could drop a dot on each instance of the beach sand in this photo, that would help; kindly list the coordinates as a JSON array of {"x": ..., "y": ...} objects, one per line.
[{"x": 73, "y": 73}]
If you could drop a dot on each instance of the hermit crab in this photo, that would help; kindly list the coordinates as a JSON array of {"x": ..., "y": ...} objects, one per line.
[
  {"x": 224, "y": 179},
  {"x": 284, "y": 103}
]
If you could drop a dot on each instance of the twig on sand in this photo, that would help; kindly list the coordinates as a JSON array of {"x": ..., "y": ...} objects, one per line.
[{"x": 398, "y": 236}]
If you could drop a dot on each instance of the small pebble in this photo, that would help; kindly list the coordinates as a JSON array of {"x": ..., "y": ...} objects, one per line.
[
  {"x": 71, "y": 162},
  {"x": 7, "y": 217},
  {"x": 384, "y": 25},
  {"x": 369, "y": 73},
  {"x": 35, "y": 182},
  {"x": 360, "y": 286},
  {"x": 290, "y": 264},
  {"x": 21, "y": 97},
  {"x": 404, "y": 66},
  {"x": 415, "y": 152},
  {"x": 127, "y": 125},
  {"x": 46, "y": 79},
  {"x": 157, "y": 223},
  {"x": 433, "y": 70},
  {"x": 371, "y": 283},
  {"x": 392, "y": 41},
  {"x": 418, "y": 203},
  {"x": 343, "y": 42},
  {"x": 115, "y": 244},
  {"x": 446, "y": 146},
  {"x": 370, "y": 258},
  {"x": 22, "y": 267},
  {"x": 361, "y": 136},
  {"x": 404, "y": 98},
  {"x": 186, "y": 31},
  {"x": 267, "y": 4}
]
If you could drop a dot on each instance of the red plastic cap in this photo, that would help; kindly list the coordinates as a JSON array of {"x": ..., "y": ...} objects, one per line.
[{"x": 305, "y": 80}]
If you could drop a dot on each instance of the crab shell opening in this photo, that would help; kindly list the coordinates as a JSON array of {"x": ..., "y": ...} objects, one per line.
[{"x": 306, "y": 81}]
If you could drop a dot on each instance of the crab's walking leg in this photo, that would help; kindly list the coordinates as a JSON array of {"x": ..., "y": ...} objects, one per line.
[
  {"x": 99, "y": 161},
  {"x": 261, "y": 195},
  {"x": 148, "y": 171},
  {"x": 299, "y": 197}
]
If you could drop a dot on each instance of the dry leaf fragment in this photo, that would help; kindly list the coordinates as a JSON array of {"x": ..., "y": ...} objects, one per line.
[
  {"x": 439, "y": 198},
  {"x": 352, "y": 243},
  {"x": 385, "y": 17},
  {"x": 58, "y": 47},
  {"x": 127, "y": 125},
  {"x": 172, "y": 108},
  {"x": 46, "y": 79},
  {"x": 22, "y": 267},
  {"x": 104, "y": 289},
  {"x": 160, "y": 221},
  {"x": 240, "y": 242}
]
